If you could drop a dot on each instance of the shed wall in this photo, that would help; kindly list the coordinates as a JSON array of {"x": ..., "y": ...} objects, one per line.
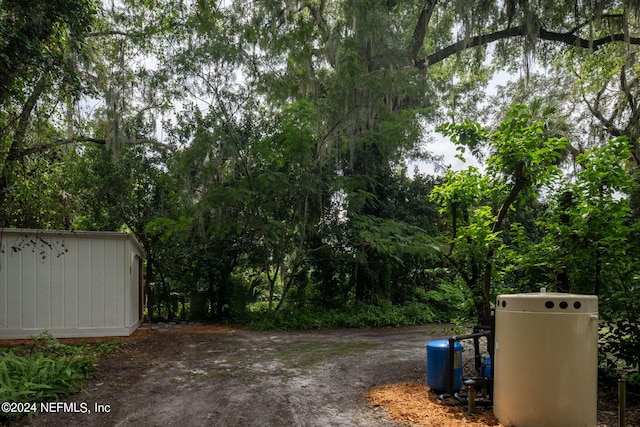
[{"x": 72, "y": 284}]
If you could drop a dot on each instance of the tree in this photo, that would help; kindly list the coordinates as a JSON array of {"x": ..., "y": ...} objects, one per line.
[
  {"x": 589, "y": 246},
  {"x": 601, "y": 232},
  {"x": 522, "y": 160},
  {"x": 52, "y": 63},
  {"x": 38, "y": 39},
  {"x": 282, "y": 126}
]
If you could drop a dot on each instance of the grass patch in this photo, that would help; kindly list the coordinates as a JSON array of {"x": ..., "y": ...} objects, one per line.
[{"x": 307, "y": 354}]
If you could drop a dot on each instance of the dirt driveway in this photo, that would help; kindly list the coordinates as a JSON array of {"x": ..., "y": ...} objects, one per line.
[{"x": 223, "y": 376}]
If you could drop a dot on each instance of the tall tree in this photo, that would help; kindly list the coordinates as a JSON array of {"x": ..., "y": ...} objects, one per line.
[
  {"x": 522, "y": 161},
  {"x": 38, "y": 40}
]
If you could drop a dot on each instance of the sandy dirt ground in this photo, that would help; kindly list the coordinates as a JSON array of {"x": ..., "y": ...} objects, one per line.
[
  {"x": 224, "y": 376},
  {"x": 208, "y": 375}
]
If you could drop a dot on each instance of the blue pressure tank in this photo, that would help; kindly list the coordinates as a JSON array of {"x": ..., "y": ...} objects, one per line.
[
  {"x": 437, "y": 363},
  {"x": 486, "y": 364}
]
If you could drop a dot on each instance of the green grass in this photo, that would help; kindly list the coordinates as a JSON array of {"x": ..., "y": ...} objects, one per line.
[{"x": 308, "y": 354}]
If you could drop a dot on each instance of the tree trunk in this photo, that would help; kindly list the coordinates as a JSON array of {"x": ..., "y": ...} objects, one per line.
[
  {"x": 16, "y": 148},
  {"x": 151, "y": 300},
  {"x": 272, "y": 284},
  {"x": 518, "y": 186}
]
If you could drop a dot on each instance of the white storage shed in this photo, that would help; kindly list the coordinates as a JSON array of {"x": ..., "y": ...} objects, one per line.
[{"x": 69, "y": 283}]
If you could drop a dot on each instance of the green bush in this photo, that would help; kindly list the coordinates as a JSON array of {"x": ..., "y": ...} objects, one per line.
[
  {"x": 619, "y": 345},
  {"x": 447, "y": 300},
  {"x": 37, "y": 378},
  {"x": 47, "y": 371},
  {"x": 358, "y": 315}
]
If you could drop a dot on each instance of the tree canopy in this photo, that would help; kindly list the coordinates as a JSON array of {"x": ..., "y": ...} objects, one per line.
[{"x": 261, "y": 150}]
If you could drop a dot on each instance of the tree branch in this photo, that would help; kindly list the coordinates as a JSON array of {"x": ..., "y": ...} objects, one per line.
[
  {"x": 109, "y": 33},
  {"x": 627, "y": 91},
  {"x": 419, "y": 32},
  {"x": 518, "y": 186},
  {"x": 17, "y": 145},
  {"x": 522, "y": 31},
  {"x": 67, "y": 141},
  {"x": 595, "y": 111}
]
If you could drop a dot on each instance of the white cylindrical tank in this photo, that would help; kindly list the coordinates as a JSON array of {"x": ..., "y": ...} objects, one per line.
[{"x": 546, "y": 360}]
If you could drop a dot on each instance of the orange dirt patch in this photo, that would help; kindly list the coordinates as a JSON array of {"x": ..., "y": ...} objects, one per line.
[
  {"x": 140, "y": 333},
  {"x": 203, "y": 329},
  {"x": 73, "y": 341},
  {"x": 415, "y": 404}
]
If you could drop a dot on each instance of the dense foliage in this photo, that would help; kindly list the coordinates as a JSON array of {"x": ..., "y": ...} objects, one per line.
[
  {"x": 262, "y": 152},
  {"x": 46, "y": 372}
]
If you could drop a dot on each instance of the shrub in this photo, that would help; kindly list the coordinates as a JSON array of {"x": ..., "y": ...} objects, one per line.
[
  {"x": 358, "y": 315},
  {"x": 48, "y": 371}
]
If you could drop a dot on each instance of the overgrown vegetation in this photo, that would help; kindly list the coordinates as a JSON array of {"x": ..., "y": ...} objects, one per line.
[
  {"x": 358, "y": 316},
  {"x": 47, "y": 371},
  {"x": 261, "y": 152}
]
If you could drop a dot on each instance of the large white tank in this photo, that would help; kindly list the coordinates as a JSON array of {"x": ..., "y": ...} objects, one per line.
[{"x": 546, "y": 360}]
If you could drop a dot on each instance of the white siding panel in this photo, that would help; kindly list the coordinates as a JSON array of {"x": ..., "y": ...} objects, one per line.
[
  {"x": 43, "y": 287},
  {"x": 58, "y": 267},
  {"x": 136, "y": 289},
  {"x": 71, "y": 283},
  {"x": 6, "y": 272},
  {"x": 71, "y": 290},
  {"x": 97, "y": 282},
  {"x": 14, "y": 290},
  {"x": 137, "y": 282},
  {"x": 84, "y": 283},
  {"x": 112, "y": 280},
  {"x": 12, "y": 316},
  {"x": 121, "y": 297},
  {"x": 29, "y": 279}
]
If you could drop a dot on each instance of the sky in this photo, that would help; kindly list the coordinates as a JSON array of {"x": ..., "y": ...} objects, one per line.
[{"x": 442, "y": 146}]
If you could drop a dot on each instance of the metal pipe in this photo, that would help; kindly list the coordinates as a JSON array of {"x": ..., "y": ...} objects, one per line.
[
  {"x": 469, "y": 336},
  {"x": 471, "y": 402},
  {"x": 452, "y": 347},
  {"x": 477, "y": 359},
  {"x": 452, "y": 343}
]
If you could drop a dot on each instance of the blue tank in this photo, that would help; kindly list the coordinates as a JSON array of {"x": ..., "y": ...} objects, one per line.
[
  {"x": 486, "y": 363},
  {"x": 437, "y": 362}
]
